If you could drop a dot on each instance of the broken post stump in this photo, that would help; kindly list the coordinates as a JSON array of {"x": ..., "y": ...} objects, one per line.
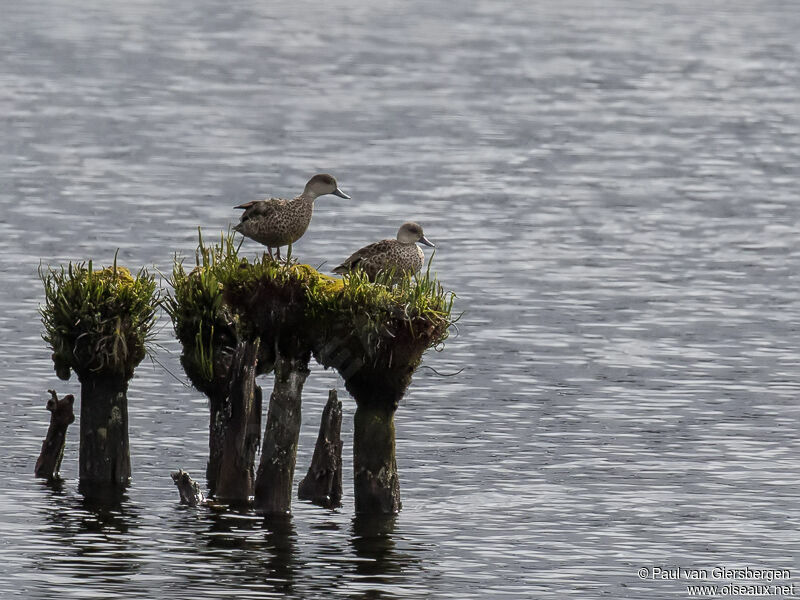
[
  {"x": 61, "y": 416},
  {"x": 187, "y": 488},
  {"x": 322, "y": 485},
  {"x": 274, "y": 484},
  {"x": 242, "y": 428}
]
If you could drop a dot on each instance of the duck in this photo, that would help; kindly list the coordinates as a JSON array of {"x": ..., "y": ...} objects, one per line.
[
  {"x": 401, "y": 255},
  {"x": 276, "y": 222}
]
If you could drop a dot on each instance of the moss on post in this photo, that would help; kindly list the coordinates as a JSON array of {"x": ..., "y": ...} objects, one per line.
[
  {"x": 210, "y": 332},
  {"x": 270, "y": 302},
  {"x": 98, "y": 324},
  {"x": 374, "y": 334}
]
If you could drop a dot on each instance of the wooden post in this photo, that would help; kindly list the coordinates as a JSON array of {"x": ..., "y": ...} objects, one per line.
[
  {"x": 61, "y": 415},
  {"x": 376, "y": 484},
  {"x": 322, "y": 484},
  {"x": 216, "y": 437},
  {"x": 273, "y": 492},
  {"x": 242, "y": 428},
  {"x": 105, "y": 458}
]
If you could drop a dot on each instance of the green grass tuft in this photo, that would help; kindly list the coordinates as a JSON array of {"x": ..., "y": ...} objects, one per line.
[
  {"x": 97, "y": 321},
  {"x": 373, "y": 312},
  {"x": 227, "y": 297}
]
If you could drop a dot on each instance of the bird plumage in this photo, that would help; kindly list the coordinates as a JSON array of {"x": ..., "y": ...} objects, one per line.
[
  {"x": 400, "y": 255},
  {"x": 277, "y": 222}
]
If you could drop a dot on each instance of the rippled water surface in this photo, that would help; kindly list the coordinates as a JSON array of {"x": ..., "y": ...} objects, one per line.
[{"x": 614, "y": 190}]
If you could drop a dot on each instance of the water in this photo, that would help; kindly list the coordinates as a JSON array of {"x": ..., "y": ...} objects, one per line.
[{"x": 613, "y": 187}]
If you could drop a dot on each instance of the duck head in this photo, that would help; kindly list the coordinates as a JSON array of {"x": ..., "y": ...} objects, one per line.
[
  {"x": 322, "y": 184},
  {"x": 411, "y": 233}
]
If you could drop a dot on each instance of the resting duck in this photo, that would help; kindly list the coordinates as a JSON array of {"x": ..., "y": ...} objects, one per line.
[{"x": 403, "y": 255}]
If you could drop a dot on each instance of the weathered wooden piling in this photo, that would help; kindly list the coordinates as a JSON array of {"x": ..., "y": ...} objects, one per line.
[
  {"x": 240, "y": 427},
  {"x": 322, "y": 485},
  {"x": 274, "y": 485},
  {"x": 377, "y": 385},
  {"x": 98, "y": 323},
  {"x": 105, "y": 457},
  {"x": 61, "y": 416},
  {"x": 210, "y": 334},
  {"x": 374, "y": 334}
]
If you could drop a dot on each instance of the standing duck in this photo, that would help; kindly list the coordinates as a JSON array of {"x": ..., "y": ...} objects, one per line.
[
  {"x": 403, "y": 255},
  {"x": 277, "y": 222}
]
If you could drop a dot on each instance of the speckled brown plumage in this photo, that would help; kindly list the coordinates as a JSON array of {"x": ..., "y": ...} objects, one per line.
[
  {"x": 277, "y": 222},
  {"x": 402, "y": 255}
]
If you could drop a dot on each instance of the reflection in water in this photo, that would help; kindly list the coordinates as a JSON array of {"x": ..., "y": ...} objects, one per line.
[
  {"x": 56, "y": 486},
  {"x": 102, "y": 497},
  {"x": 106, "y": 512},
  {"x": 280, "y": 538},
  {"x": 230, "y": 528},
  {"x": 94, "y": 537},
  {"x": 372, "y": 540},
  {"x": 380, "y": 564},
  {"x": 261, "y": 552}
]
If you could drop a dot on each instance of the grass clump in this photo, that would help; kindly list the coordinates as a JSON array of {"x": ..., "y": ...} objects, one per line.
[
  {"x": 413, "y": 306},
  {"x": 226, "y": 298},
  {"x": 204, "y": 327},
  {"x": 294, "y": 309},
  {"x": 97, "y": 321},
  {"x": 375, "y": 334}
]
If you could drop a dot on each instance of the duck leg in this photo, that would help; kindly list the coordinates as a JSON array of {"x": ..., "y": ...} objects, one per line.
[{"x": 278, "y": 250}]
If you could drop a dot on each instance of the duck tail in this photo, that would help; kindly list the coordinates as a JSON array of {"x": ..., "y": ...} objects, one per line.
[{"x": 341, "y": 270}]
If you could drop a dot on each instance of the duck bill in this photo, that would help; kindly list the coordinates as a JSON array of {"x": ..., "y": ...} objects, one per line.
[
  {"x": 426, "y": 241},
  {"x": 341, "y": 194}
]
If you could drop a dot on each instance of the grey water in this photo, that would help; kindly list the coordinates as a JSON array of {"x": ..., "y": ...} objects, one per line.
[{"x": 613, "y": 188}]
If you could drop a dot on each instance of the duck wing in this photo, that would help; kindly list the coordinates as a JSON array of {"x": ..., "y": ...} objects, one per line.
[
  {"x": 375, "y": 253},
  {"x": 261, "y": 209}
]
